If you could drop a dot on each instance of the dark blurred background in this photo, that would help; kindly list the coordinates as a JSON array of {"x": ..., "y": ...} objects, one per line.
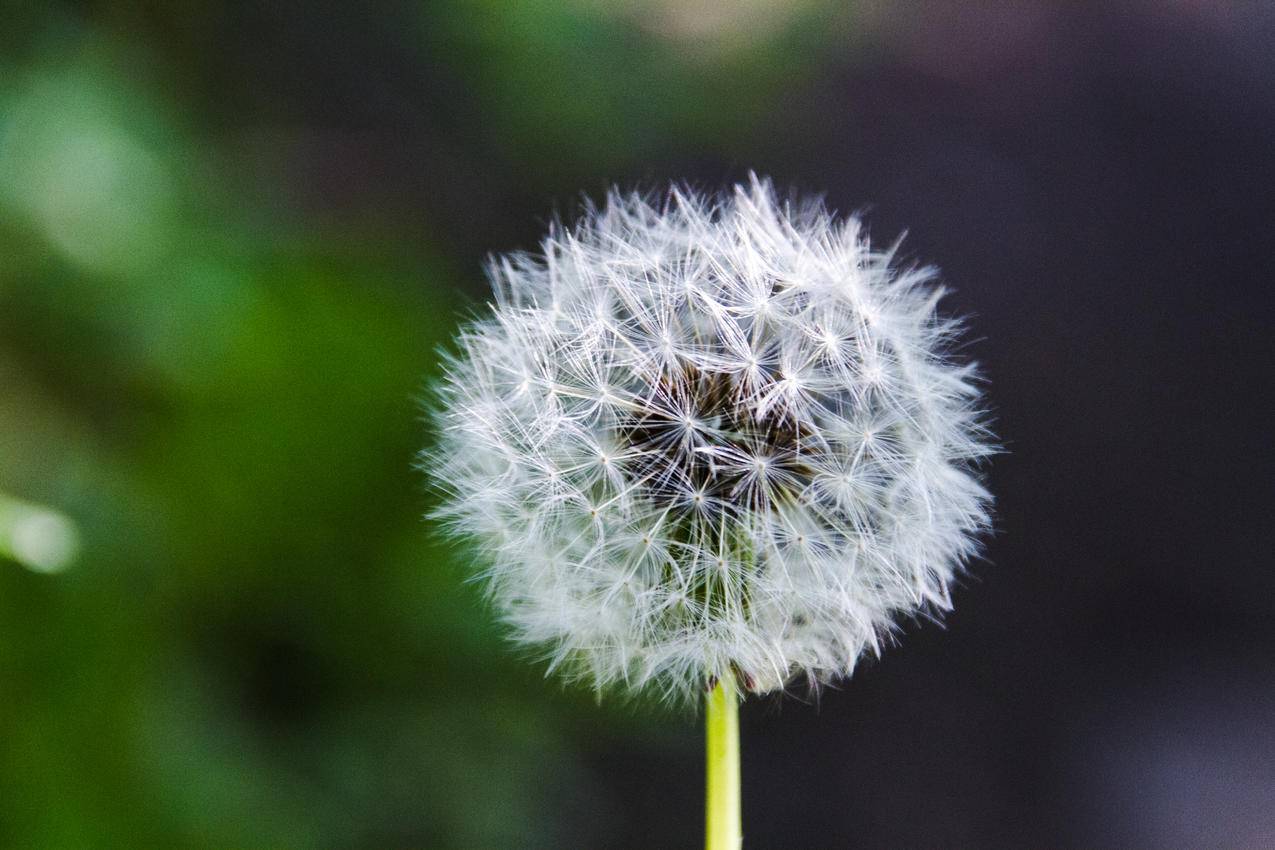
[{"x": 233, "y": 237}]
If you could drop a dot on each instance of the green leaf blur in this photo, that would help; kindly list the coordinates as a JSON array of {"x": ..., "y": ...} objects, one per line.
[{"x": 223, "y": 620}]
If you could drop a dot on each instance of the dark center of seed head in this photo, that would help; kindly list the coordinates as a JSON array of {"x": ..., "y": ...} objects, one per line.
[{"x": 679, "y": 448}]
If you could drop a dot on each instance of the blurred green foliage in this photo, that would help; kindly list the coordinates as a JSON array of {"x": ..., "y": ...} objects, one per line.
[
  {"x": 261, "y": 643},
  {"x": 611, "y": 82}
]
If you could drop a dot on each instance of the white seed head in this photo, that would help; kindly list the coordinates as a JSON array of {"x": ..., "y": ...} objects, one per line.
[{"x": 699, "y": 437}]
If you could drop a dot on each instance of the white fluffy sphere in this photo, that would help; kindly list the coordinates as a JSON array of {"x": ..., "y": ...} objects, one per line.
[{"x": 702, "y": 437}]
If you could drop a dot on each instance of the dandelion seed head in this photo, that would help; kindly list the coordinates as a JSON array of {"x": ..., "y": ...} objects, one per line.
[{"x": 699, "y": 437}]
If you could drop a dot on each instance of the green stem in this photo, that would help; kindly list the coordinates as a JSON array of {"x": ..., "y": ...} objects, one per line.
[{"x": 721, "y": 724}]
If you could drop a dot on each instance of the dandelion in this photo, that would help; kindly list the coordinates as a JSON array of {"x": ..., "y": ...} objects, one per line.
[{"x": 712, "y": 444}]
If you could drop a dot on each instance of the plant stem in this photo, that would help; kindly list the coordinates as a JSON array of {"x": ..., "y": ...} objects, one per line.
[{"x": 721, "y": 725}]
